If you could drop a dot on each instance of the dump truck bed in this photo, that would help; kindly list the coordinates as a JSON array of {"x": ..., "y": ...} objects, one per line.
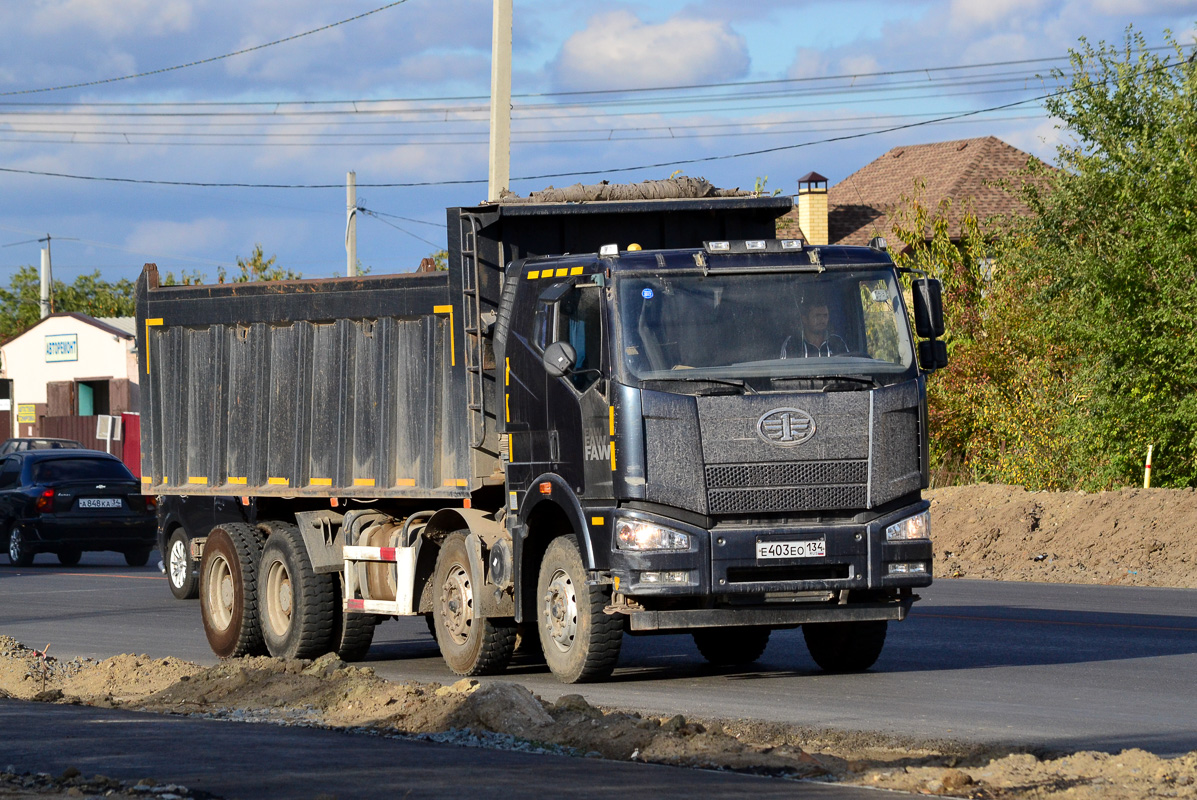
[{"x": 338, "y": 387}]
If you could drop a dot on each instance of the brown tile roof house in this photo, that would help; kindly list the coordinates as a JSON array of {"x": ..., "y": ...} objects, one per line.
[{"x": 861, "y": 205}]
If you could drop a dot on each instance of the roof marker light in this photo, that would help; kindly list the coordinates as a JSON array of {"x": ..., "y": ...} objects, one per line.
[
  {"x": 609, "y": 250},
  {"x": 791, "y": 244},
  {"x": 719, "y": 247},
  {"x": 755, "y": 244}
]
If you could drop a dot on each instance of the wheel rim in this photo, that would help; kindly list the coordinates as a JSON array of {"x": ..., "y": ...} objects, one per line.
[
  {"x": 457, "y": 603},
  {"x": 14, "y": 545},
  {"x": 279, "y": 598},
  {"x": 179, "y": 565},
  {"x": 561, "y": 610},
  {"x": 220, "y": 592}
]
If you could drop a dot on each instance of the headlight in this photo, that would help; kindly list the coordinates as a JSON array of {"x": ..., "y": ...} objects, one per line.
[
  {"x": 916, "y": 527},
  {"x": 632, "y": 534}
]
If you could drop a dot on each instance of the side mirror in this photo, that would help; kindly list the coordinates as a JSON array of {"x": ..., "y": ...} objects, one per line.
[
  {"x": 928, "y": 308},
  {"x": 933, "y": 355},
  {"x": 559, "y": 358}
]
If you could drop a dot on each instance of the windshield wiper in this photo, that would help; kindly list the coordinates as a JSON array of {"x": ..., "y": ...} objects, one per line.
[
  {"x": 739, "y": 384},
  {"x": 870, "y": 382}
]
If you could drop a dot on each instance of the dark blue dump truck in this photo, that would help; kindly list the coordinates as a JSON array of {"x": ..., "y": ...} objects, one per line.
[{"x": 603, "y": 418}]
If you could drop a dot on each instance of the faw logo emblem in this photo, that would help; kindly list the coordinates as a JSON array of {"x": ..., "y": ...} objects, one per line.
[{"x": 785, "y": 427}]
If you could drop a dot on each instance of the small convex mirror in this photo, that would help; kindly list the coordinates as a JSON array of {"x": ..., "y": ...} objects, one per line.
[{"x": 559, "y": 358}]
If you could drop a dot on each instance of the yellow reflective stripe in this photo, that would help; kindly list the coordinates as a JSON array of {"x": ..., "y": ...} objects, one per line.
[
  {"x": 597, "y": 521},
  {"x": 406, "y": 482},
  {"x": 239, "y": 481},
  {"x": 576, "y": 271},
  {"x": 320, "y": 482},
  {"x": 279, "y": 481},
  {"x": 611, "y": 414},
  {"x": 561, "y": 273},
  {"x": 452, "y": 333},
  {"x": 534, "y": 274},
  {"x": 363, "y": 481},
  {"x": 201, "y": 481},
  {"x": 148, "y": 323},
  {"x": 146, "y": 479}
]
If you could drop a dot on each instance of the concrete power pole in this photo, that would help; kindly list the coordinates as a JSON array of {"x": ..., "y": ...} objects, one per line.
[
  {"x": 351, "y": 223},
  {"x": 500, "y": 102},
  {"x": 47, "y": 279}
]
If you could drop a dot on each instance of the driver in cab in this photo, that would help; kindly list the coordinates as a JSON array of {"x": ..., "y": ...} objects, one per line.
[{"x": 816, "y": 339}]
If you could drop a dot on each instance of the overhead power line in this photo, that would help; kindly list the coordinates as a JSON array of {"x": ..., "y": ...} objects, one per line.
[{"x": 203, "y": 60}]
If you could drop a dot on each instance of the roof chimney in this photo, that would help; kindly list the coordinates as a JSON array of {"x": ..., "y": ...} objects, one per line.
[{"x": 812, "y": 208}]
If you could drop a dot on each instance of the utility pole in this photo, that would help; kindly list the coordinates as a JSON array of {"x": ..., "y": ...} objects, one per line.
[
  {"x": 351, "y": 223},
  {"x": 500, "y": 102},
  {"x": 47, "y": 279}
]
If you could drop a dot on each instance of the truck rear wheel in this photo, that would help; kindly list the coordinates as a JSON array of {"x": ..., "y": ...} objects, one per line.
[
  {"x": 297, "y": 603},
  {"x": 229, "y": 591},
  {"x": 726, "y": 647},
  {"x": 845, "y": 646},
  {"x": 470, "y": 643},
  {"x": 352, "y": 634},
  {"x": 580, "y": 642}
]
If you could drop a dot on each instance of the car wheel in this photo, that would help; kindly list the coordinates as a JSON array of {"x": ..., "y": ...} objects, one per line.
[
  {"x": 19, "y": 553},
  {"x": 139, "y": 557},
  {"x": 180, "y": 572},
  {"x": 69, "y": 556}
]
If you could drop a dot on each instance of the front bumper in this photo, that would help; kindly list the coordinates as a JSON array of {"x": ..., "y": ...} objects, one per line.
[{"x": 722, "y": 562}]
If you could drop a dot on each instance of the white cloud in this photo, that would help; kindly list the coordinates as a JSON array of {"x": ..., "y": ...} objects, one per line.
[
  {"x": 175, "y": 238},
  {"x": 972, "y": 14},
  {"x": 617, "y": 49},
  {"x": 808, "y": 63},
  {"x": 112, "y": 18}
]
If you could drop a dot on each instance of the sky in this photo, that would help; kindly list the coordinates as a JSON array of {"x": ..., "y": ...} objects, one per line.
[{"x": 282, "y": 96}]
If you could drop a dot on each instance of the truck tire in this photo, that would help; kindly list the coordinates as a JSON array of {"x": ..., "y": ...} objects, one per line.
[
  {"x": 728, "y": 647},
  {"x": 69, "y": 556},
  {"x": 352, "y": 634},
  {"x": 229, "y": 591},
  {"x": 180, "y": 572},
  {"x": 19, "y": 552},
  {"x": 297, "y": 604},
  {"x": 580, "y": 642},
  {"x": 845, "y": 646},
  {"x": 469, "y": 643}
]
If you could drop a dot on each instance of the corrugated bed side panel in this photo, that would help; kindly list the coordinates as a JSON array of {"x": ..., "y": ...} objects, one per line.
[{"x": 346, "y": 408}]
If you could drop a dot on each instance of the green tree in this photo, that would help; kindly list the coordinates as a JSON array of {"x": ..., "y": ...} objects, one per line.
[
  {"x": 88, "y": 294},
  {"x": 1107, "y": 261},
  {"x": 259, "y": 268}
]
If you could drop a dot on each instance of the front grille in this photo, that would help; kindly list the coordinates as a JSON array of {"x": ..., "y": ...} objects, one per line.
[
  {"x": 798, "y": 572},
  {"x": 799, "y": 473},
  {"x": 790, "y": 498}
]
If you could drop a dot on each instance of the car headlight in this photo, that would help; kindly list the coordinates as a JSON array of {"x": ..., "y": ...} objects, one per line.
[
  {"x": 631, "y": 534},
  {"x": 916, "y": 527}
]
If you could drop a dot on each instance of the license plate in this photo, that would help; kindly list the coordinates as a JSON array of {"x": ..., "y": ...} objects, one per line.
[
  {"x": 794, "y": 548},
  {"x": 99, "y": 502}
]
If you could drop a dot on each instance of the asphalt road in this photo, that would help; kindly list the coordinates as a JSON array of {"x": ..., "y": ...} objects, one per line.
[{"x": 1057, "y": 666}]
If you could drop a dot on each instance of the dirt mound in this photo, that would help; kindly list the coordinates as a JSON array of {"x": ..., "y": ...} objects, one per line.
[
  {"x": 329, "y": 692},
  {"x": 1133, "y": 537}
]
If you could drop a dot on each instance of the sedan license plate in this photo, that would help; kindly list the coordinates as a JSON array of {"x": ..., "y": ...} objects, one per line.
[
  {"x": 793, "y": 548},
  {"x": 99, "y": 502}
]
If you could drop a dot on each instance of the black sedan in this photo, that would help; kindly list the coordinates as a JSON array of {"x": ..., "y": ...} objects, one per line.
[{"x": 68, "y": 501}]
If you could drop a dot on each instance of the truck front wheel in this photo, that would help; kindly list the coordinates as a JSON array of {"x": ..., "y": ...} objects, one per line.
[
  {"x": 579, "y": 641},
  {"x": 297, "y": 603},
  {"x": 727, "y": 647},
  {"x": 470, "y": 643},
  {"x": 229, "y": 591},
  {"x": 845, "y": 646}
]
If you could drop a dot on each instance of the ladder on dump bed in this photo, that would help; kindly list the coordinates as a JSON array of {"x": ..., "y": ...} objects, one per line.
[{"x": 472, "y": 325}]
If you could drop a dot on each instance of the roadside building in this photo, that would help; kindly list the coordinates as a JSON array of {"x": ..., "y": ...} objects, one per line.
[
  {"x": 63, "y": 373},
  {"x": 864, "y": 204}
]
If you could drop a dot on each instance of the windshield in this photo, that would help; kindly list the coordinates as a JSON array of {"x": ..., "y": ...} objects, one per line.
[{"x": 775, "y": 325}]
